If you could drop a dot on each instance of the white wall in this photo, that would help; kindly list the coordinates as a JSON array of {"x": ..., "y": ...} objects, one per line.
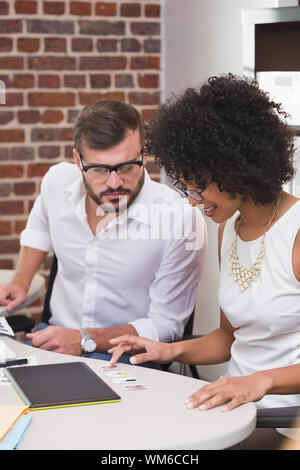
[{"x": 203, "y": 38}]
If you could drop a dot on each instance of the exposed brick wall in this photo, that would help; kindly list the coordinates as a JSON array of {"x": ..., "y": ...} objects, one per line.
[{"x": 56, "y": 57}]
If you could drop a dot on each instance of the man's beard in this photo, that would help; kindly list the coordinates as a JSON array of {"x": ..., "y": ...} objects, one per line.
[{"x": 115, "y": 205}]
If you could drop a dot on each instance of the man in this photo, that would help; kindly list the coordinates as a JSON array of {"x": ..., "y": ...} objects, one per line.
[{"x": 103, "y": 217}]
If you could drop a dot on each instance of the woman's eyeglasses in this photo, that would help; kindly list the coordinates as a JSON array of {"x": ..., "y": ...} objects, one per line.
[{"x": 184, "y": 192}]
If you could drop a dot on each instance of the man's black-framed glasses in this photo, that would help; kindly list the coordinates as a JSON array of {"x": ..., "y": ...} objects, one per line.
[
  {"x": 101, "y": 173},
  {"x": 184, "y": 192}
]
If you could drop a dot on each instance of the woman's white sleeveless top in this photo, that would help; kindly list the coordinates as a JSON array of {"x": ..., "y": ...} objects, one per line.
[{"x": 267, "y": 314}]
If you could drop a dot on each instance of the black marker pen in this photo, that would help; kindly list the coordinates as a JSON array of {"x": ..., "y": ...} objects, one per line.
[{"x": 14, "y": 362}]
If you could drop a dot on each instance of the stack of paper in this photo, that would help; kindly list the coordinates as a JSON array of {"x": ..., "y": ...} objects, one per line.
[{"x": 14, "y": 422}]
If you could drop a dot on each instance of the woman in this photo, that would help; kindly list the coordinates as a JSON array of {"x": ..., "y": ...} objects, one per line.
[{"x": 229, "y": 148}]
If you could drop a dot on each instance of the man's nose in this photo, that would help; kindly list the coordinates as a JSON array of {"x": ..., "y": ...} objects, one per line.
[{"x": 114, "y": 180}]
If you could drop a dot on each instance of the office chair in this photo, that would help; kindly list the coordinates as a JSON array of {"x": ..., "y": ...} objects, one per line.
[
  {"x": 281, "y": 417},
  {"x": 23, "y": 323}
]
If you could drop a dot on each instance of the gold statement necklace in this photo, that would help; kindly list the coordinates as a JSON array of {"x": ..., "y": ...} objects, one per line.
[{"x": 244, "y": 276}]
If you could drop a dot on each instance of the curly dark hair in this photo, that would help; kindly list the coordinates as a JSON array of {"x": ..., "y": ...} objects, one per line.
[{"x": 229, "y": 128}]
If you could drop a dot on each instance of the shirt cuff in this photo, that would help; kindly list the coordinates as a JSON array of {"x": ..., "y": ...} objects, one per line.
[
  {"x": 36, "y": 239},
  {"x": 145, "y": 328}
]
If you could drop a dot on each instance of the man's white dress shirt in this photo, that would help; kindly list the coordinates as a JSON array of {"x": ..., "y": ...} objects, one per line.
[{"x": 143, "y": 268}]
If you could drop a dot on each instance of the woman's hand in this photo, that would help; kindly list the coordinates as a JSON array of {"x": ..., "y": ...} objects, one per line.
[
  {"x": 147, "y": 349},
  {"x": 233, "y": 391}
]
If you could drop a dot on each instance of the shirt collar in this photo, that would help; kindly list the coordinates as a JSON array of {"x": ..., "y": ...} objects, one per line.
[
  {"x": 140, "y": 209},
  {"x": 76, "y": 189}
]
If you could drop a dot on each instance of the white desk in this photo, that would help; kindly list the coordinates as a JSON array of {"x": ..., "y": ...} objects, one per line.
[
  {"x": 36, "y": 289},
  {"x": 155, "y": 418}
]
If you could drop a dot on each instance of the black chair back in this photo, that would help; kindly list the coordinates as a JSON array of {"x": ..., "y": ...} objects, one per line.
[{"x": 46, "y": 314}]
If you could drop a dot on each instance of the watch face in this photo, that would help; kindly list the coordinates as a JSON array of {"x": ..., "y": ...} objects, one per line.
[{"x": 89, "y": 345}]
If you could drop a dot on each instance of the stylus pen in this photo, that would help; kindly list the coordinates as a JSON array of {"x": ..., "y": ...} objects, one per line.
[{"x": 14, "y": 362}]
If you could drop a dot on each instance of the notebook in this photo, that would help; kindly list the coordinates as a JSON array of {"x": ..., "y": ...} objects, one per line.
[
  {"x": 9, "y": 415},
  {"x": 60, "y": 385}
]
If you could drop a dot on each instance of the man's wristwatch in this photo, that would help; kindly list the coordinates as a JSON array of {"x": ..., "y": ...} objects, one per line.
[{"x": 88, "y": 344}]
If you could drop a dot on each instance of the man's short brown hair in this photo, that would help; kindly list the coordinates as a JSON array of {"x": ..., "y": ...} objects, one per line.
[{"x": 104, "y": 124}]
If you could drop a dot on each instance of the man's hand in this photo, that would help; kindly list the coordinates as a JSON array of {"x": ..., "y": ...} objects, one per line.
[
  {"x": 12, "y": 295},
  {"x": 58, "y": 339}
]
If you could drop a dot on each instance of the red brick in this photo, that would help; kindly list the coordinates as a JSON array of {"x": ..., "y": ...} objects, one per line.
[
  {"x": 22, "y": 153},
  {"x": 130, "y": 9},
  {"x": 124, "y": 81},
  {"x": 102, "y": 27},
  {"x": 6, "y": 264},
  {"x": 80, "y": 8},
  {"x": 152, "y": 46},
  {"x": 10, "y": 26},
  {"x": 55, "y": 45},
  {"x": 28, "y": 44},
  {"x": 37, "y": 169},
  {"x": 72, "y": 115},
  {"x": 4, "y": 153},
  {"x": 107, "y": 45},
  {"x": 23, "y": 80},
  {"x": 11, "y": 63},
  {"x": 5, "y": 227},
  {"x": 106, "y": 9},
  {"x": 148, "y": 114},
  {"x": 146, "y": 28},
  {"x": 130, "y": 45},
  {"x": 152, "y": 10},
  {"x": 51, "y": 116},
  {"x": 103, "y": 63},
  {"x": 51, "y": 63},
  {"x": 19, "y": 226},
  {"x": 4, "y": 8},
  {"x": 144, "y": 98},
  {"x": 50, "y": 27},
  {"x": 5, "y": 44},
  {"x": 46, "y": 134},
  {"x": 69, "y": 152},
  {"x": 11, "y": 171},
  {"x": 25, "y": 188},
  {"x": 49, "y": 81},
  {"x": 5, "y": 117},
  {"x": 82, "y": 45},
  {"x": 100, "y": 80},
  {"x": 5, "y": 189},
  {"x": 54, "y": 8},
  {"x": 28, "y": 116},
  {"x": 148, "y": 80},
  {"x": 145, "y": 62},
  {"x": 11, "y": 207},
  {"x": 49, "y": 151},
  {"x": 51, "y": 99},
  {"x": 9, "y": 246},
  {"x": 86, "y": 98},
  {"x": 74, "y": 81},
  {"x": 11, "y": 135},
  {"x": 26, "y": 7}
]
